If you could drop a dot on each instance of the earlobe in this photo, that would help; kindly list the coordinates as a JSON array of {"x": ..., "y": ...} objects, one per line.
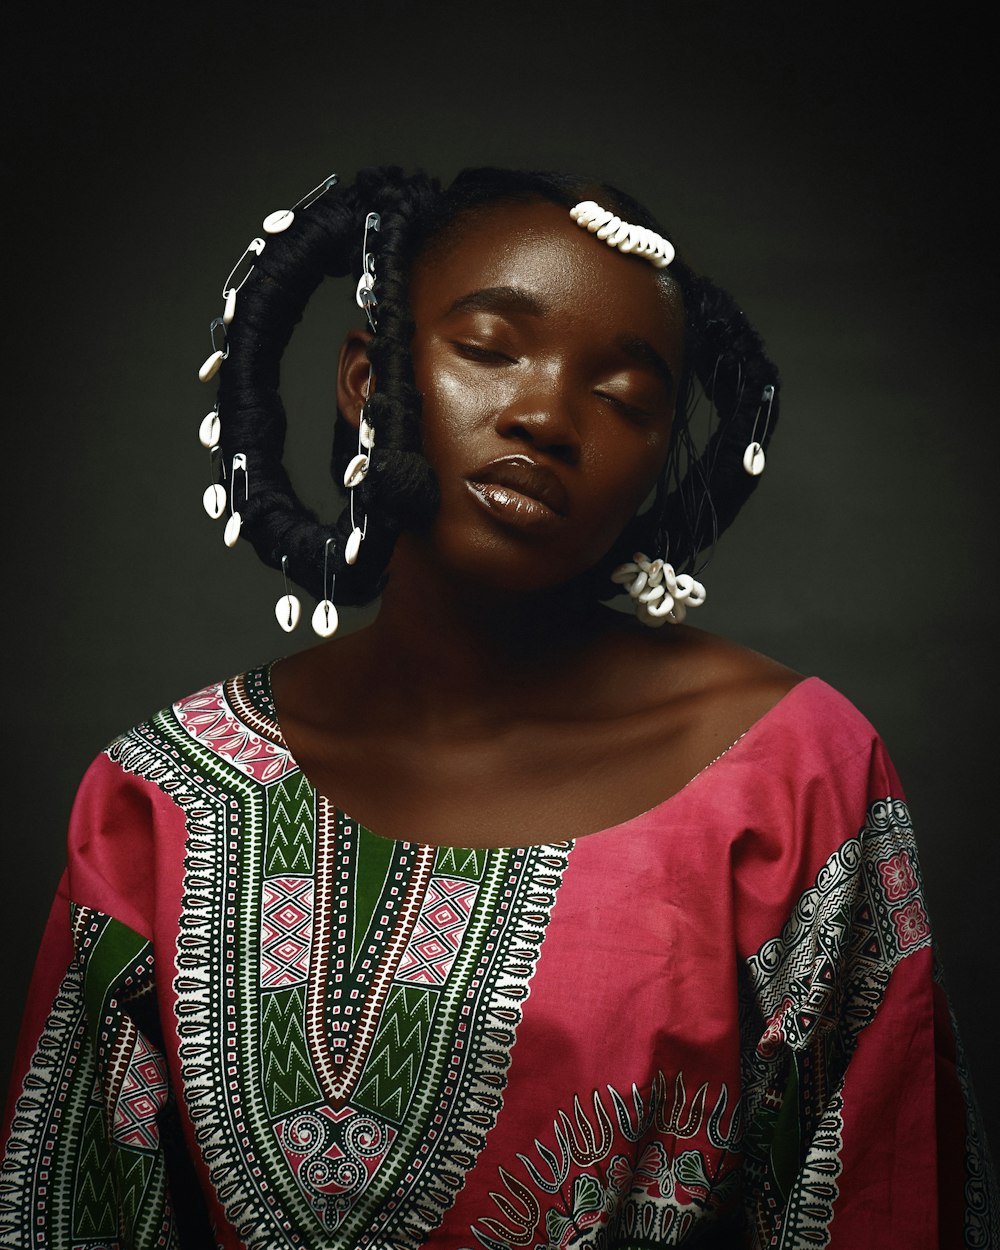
[{"x": 353, "y": 375}]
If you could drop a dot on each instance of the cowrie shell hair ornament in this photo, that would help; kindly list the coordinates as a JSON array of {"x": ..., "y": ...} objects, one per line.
[
  {"x": 753, "y": 457},
  {"x": 635, "y": 240},
  {"x": 288, "y": 609},
  {"x": 282, "y": 218},
  {"x": 660, "y": 595},
  {"x": 214, "y": 498},
  {"x": 325, "y": 618},
  {"x": 235, "y": 523}
]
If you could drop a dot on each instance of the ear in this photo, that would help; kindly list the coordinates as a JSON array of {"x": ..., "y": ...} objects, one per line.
[{"x": 352, "y": 375}]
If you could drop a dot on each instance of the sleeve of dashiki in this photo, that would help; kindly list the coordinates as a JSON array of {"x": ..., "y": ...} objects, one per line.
[
  {"x": 861, "y": 1127},
  {"x": 91, "y": 1149}
]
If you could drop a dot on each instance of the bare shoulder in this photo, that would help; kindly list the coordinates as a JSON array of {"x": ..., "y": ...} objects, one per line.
[{"x": 710, "y": 688}]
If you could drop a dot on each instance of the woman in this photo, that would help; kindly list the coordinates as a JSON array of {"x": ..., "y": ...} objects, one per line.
[{"x": 506, "y": 921}]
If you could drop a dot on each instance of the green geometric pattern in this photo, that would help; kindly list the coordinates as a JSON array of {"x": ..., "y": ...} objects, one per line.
[
  {"x": 375, "y": 855},
  {"x": 459, "y": 862},
  {"x": 288, "y": 1075},
  {"x": 94, "y": 1203},
  {"x": 394, "y": 1062},
  {"x": 291, "y": 827}
]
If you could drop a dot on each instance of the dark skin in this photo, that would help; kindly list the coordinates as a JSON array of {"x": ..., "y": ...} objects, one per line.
[{"x": 489, "y": 704}]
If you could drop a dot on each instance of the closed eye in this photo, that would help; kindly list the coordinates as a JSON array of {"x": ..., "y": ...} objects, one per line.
[
  {"x": 487, "y": 355},
  {"x": 631, "y": 411}
]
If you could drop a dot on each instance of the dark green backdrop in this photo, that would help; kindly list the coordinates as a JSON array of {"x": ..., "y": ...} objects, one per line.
[{"x": 831, "y": 177}]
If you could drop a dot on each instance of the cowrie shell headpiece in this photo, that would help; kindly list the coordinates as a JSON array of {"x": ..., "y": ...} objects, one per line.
[{"x": 622, "y": 234}]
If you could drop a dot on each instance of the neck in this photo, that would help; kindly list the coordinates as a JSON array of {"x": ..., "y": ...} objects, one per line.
[{"x": 448, "y": 645}]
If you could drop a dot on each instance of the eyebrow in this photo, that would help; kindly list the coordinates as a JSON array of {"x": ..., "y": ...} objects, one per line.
[
  {"x": 499, "y": 299},
  {"x": 646, "y": 354}
]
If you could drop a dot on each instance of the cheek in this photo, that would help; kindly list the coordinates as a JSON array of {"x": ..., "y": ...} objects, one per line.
[{"x": 633, "y": 462}]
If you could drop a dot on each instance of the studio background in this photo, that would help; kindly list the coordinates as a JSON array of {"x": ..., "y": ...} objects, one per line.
[{"x": 831, "y": 178}]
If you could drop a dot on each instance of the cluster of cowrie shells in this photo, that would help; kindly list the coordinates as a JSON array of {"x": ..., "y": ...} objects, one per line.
[
  {"x": 626, "y": 237},
  {"x": 659, "y": 594}
]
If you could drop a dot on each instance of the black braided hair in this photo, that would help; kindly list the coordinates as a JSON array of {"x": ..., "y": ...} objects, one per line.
[{"x": 698, "y": 494}]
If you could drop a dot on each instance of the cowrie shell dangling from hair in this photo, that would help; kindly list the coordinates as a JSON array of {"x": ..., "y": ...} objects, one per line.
[
  {"x": 211, "y": 367},
  {"x": 753, "y": 459},
  {"x": 355, "y": 472},
  {"x": 276, "y": 222},
  {"x": 367, "y": 433},
  {"x": 325, "y": 619},
  {"x": 214, "y": 500},
  {"x": 229, "y": 308},
  {"x": 232, "y": 532},
  {"x": 209, "y": 430},
  {"x": 353, "y": 546},
  {"x": 287, "y": 612}
]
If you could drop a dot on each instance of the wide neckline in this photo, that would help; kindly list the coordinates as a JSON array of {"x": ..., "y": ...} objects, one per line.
[{"x": 712, "y": 768}]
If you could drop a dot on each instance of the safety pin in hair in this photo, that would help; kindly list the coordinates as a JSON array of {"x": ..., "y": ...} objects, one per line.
[
  {"x": 282, "y": 218},
  {"x": 356, "y": 537},
  {"x": 211, "y": 366},
  {"x": 325, "y": 619},
  {"x": 214, "y": 498},
  {"x": 235, "y": 522},
  {"x": 364, "y": 295},
  {"x": 230, "y": 287},
  {"x": 753, "y": 457}
]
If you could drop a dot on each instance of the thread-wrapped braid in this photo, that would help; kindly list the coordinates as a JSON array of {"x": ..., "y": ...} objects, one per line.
[{"x": 325, "y": 240}]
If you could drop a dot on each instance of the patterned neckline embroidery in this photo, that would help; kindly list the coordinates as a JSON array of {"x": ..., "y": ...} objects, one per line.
[{"x": 346, "y": 1005}]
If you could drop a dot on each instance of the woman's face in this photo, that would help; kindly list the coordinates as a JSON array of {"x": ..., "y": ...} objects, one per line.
[{"x": 548, "y": 365}]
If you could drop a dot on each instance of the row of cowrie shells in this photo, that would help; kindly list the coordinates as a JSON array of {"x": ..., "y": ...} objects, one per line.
[
  {"x": 622, "y": 234},
  {"x": 288, "y": 609},
  {"x": 659, "y": 593},
  {"x": 209, "y": 431}
]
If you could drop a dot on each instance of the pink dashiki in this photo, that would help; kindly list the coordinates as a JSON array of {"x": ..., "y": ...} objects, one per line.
[{"x": 255, "y": 1023}]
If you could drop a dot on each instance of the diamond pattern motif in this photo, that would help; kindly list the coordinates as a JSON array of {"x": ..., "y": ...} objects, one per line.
[
  {"x": 438, "y": 933},
  {"x": 286, "y": 931},
  {"x": 143, "y": 1093}
]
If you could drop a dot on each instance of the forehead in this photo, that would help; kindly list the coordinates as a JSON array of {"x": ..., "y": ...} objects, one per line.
[{"x": 535, "y": 245}]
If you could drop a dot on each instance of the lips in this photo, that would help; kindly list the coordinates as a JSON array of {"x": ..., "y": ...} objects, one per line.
[{"x": 520, "y": 492}]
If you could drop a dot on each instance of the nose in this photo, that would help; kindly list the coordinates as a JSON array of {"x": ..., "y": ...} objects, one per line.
[{"x": 542, "y": 417}]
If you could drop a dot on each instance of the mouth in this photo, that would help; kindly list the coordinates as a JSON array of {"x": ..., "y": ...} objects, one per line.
[{"x": 520, "y": 492}]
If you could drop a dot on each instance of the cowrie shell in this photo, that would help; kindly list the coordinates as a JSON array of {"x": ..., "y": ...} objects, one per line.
[
  {"x": 367, "y": 434},
  {"x": 661, "y": 607},
  {"x": 639, "y": 585},
  {"x": 232, "y": 532},
  {"x": 209, "y": 430},
  {"x": 353, "y": 546},
  {"x": 355, "y": 472},
  {"x": 287, "y": 612},
  {"x": 685, "y": 585},
  {"x": 324, "y": 618},
  {"x": 214, "y": 500},
  {"x": 229, "y": 310},
  {"x": 364, "y": 294},
  {"x": 279, "y": 220},
  {"x": 211, "y": 367},
  {"x": 753, "y": 459}
]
